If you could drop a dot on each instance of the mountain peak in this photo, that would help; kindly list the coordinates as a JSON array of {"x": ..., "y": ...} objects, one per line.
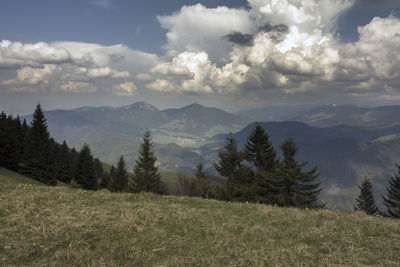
[
  {"x": 142, "y": 106},
  {"x": 194, "y": 105}
]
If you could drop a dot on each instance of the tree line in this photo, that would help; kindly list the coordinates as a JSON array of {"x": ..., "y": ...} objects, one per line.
[
  {"x": 31, "y": 151},
  {"x": 253, "y": 174},
  {"x": 366, "y": 202},
  {"x": 256, "y": 174}
]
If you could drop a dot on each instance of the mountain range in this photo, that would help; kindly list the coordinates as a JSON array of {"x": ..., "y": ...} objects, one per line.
[
  {"x": 345, "y": 142},
  {"x": 192, "y": 122},
  {"x": 328, "y": 115}
]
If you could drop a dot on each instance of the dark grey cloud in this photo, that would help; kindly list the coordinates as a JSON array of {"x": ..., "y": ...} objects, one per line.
[
  {"x": 282, "y": 28},
  {"x": 240, "y": 38}
]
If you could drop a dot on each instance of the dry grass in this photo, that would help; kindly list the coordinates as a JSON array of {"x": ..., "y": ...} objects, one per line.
[{"x": 52, "y": 226}]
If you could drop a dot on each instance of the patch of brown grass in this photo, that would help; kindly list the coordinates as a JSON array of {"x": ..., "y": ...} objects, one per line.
[{"x": 42, "y": 225}]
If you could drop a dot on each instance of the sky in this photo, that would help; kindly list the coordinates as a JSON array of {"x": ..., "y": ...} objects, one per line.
[{"x": 231, "y": 54}]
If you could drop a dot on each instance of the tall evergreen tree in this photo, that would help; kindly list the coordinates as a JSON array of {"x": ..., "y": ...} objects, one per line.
[
  {"x": 20, "y": 131},
  {"x": 98, "y": 167},
  {"x": 259, "y": 150},
  {"x": 146, "y": 175},
  {"x": 230, "y": 160},
  {"x": 121, "y": 176},
  {"x": 365, "y": 200},
  {"x": 86, "y": 173},
  {"x": 10, "y": 143},
  {"x": 261, "y": 153},
  {"x": 37, "y": 160},
  {"x": 4, "y": 140},
  {"x": 392, "y": 199},
  {"x": 64, "y": 165},
  {"x": 240, "y": 178},
  {"x": 298, "y": 187},
  {"x": 203, "y": 180}
]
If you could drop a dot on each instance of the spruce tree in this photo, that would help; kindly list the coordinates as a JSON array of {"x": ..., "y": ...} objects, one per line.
[
  {"x": 365, "y": 200},
  {"x": 20, "y": 131},
  {"x": 298, "y": 188},
  {"x": 64, "y": 166},
  {"x": 37, "y": 160},
  {"x": 121, "y": 176},
  {"x": 259, "y": 150},
  {"x": 86, "y": 173},
  {"x": 204, "y": 186},
  {"x": 261, "y": 153},
  {"x": 146, "y": 175},
  {"x": 99, "y": 170},
  {"x": 4, "y": 140},
  {"x": 230, "y": 160},
  {"x": 392, "y": 199},
  {"x": 240, "y": 178}
]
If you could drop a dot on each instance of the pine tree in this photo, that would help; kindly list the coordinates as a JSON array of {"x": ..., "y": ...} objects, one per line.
[
  {"x": 20, "y": 131},
  {"x": 392, "y": 199},
  {"x": 10, "y": 147},
  {"x": 240, "y": 178},
  {"x": 86, "y": 173},
  {"x": 259, "y": 150},
  {"x": 105, "y": 181},
  {"x": 204, "y": 186},
  {"x": 98, "y": 167},
  {"x": 37, "y": 160},
  {"x": 64, "y": 166},
  {"x": 230, "y": 160},
  {"x": 297, "y": 186},
  {"x": 121, "y": 176},
  {"x": 261, "y": 153},
  {"x": 146, "y": 175},
  {"x": 365, "y": 200},
  {"x": 3, "y": 140}
]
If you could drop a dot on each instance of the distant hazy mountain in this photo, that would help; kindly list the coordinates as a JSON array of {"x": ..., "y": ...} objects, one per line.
[
  {"x": 92, "y": 124},
  {"x": 330, "y": 115},
  {"x": 279, "y": 113},
  {"x": 197, "y": 119}
]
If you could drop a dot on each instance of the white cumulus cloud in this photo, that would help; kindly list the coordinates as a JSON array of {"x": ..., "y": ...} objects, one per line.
[
  {"x": 124, "y": 89},
  {"x": 71, "y": 66},
  {"x": 197, "y": 28}
]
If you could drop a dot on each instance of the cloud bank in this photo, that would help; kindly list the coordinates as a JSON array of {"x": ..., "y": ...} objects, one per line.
[
  {"x": 71, "y": 67},
  {"x": 276, "y": 50}
]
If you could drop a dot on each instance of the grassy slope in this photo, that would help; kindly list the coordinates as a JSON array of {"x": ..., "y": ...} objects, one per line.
[{"x": 42, "y": 225}]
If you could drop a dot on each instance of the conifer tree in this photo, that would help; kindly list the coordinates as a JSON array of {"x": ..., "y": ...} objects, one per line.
[
  {"x": 121, "y": 176},
  {"x": 204, "y": 186},
  {"x": 99, "y": 170},
  {"x": 3, "y": 140},
  {"x": 112, "y": 173},
  {"x": 392, "y": 199},
  {"x": 261, "y": 153},
  {"x": 365, "y": 200},
  {"x": 86, "y": 173},
  {"x": 259, "y": 150},
  {"x": 298, "y": 187},
  {"x": 75, "y": 160},
  {"x": 230, "y": 160},
  {"x": 64, "y": 166},
  {"x": 240, "y": 178},
  {"x": 105, "y": 181},
  {"x": 11, "y": 142},
  {"x": 37, "y": 160},
  {"x": 20, "y": 131},
  {"x": 146, "y": 175}
]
